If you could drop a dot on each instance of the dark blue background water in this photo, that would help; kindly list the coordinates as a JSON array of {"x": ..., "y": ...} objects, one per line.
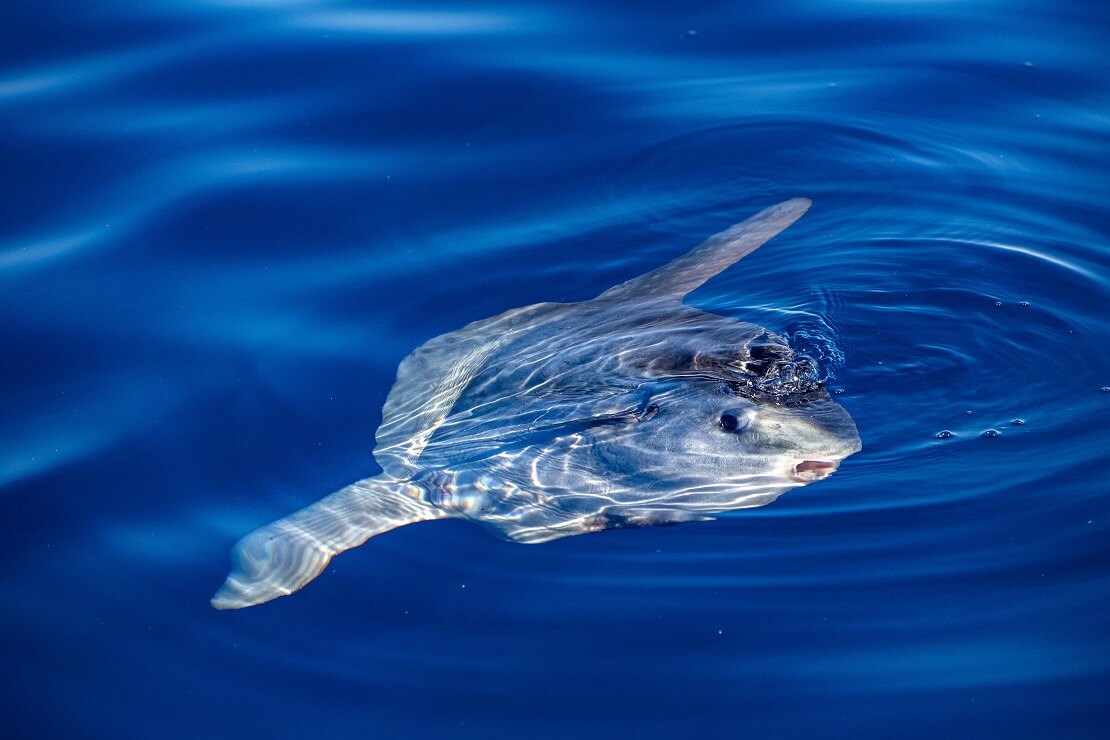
[{"x": 225, "y": 223}]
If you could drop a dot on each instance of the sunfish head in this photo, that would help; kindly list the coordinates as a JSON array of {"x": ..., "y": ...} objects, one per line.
[{"x": 732, "y": 433}]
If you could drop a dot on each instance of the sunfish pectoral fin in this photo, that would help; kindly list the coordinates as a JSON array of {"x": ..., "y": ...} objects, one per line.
[
  {"x": 680, "y": 276},
  {"x": 281, "y": 557},
  {"x": 611, "y": 517},
  {"x": 621, "y": 518}
]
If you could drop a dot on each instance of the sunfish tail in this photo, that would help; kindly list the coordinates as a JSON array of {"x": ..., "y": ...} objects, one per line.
[{"x": 281, "y": 557}]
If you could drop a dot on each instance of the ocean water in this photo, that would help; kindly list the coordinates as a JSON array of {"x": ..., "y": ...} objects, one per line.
[{"x": 224, "y": 224}]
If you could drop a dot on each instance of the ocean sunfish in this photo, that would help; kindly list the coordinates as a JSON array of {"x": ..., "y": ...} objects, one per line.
[{"x": 627, "y": 410}]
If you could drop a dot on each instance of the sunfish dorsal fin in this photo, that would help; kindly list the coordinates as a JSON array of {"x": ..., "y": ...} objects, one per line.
[{"x": 680, "y": 276}]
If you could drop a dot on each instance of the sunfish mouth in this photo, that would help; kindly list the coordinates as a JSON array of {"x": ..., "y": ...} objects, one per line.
[{"x": 811, "y": 470}]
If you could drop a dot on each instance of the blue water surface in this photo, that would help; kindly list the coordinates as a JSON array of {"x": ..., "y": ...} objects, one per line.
[{"x": 224, "y": 224}]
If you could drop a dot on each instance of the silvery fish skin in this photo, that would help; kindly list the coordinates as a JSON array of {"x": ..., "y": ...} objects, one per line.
[{"x": 628, "y": 410}]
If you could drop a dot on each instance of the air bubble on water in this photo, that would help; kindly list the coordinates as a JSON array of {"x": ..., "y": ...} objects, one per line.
[
  {"x": 1018, "y": 422},
  {"x": 837, "y": 391},
  {"x": 821, "y": 346},
  {"x": 968, "y": 412},
  {"x": 991, "y": 433},
  {"x": 690, "y": 33},
  {"x": 1027, "y": 64},
  {"x": 777, "y": 372},
  {"x": 945, "y": 434}
]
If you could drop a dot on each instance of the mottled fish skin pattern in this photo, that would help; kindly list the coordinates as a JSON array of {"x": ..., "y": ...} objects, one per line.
[{"x": 628, "y": 410}]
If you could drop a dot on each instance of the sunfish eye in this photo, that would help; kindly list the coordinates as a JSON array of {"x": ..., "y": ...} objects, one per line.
[{"x": 732, "y": 421}]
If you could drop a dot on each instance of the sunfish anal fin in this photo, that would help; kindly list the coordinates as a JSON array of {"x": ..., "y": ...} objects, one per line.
[{"x": 281, "y": 557}]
